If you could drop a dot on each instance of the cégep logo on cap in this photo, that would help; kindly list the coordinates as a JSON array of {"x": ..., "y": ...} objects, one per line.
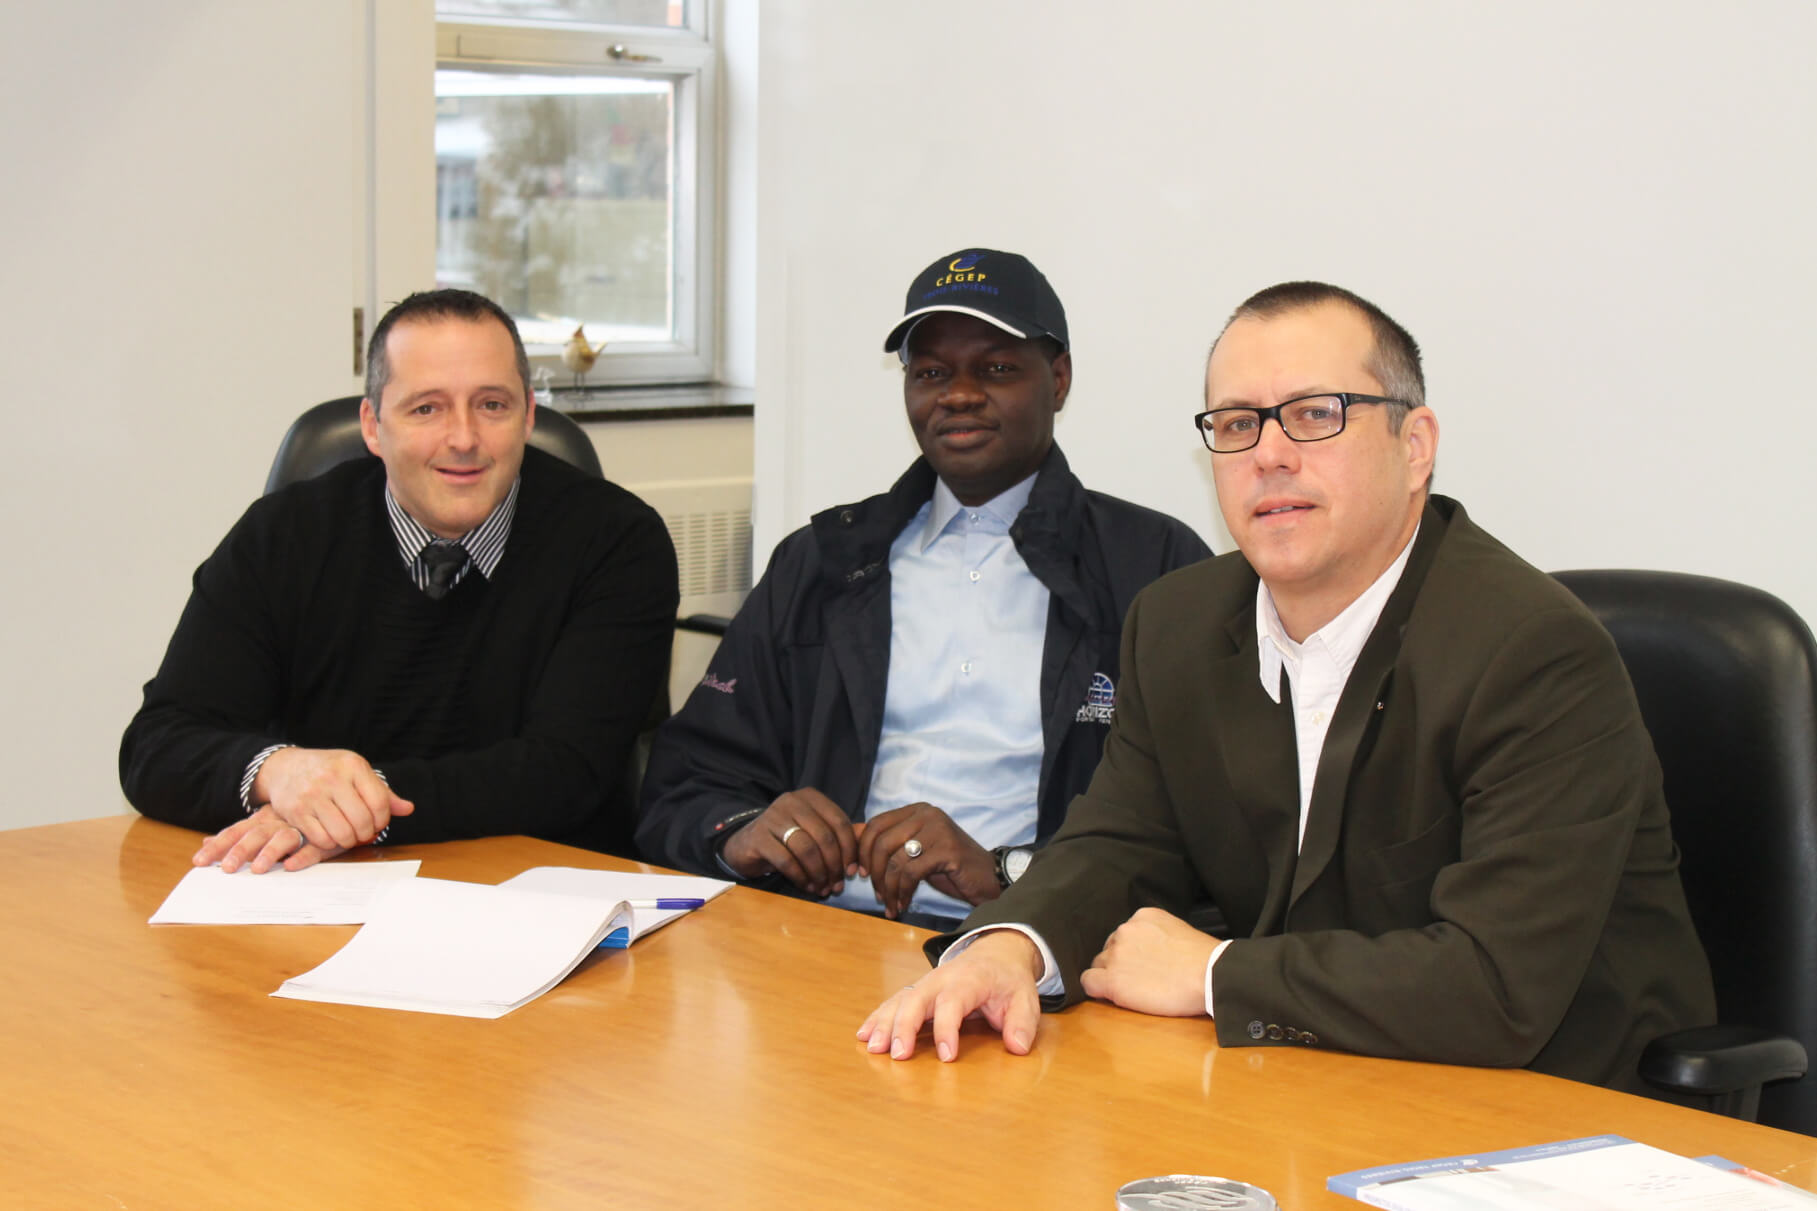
[{"x": 962, "y": 269}]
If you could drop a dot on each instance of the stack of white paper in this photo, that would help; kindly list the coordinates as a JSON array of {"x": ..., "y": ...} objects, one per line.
[
  {"x": 438, "y": 946},
  {"x": 331, "y": 893},
  {"x": 435, "y": 945}
]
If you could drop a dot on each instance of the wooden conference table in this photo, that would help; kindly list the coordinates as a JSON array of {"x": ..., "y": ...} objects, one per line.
[{"x": 713, "y": 1065}]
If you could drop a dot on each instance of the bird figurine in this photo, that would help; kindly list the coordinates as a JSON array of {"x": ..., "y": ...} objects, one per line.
[{"x": 578, "y": 355}]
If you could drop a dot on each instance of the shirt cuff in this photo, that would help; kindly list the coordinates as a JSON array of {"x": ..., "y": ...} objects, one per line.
[
  {"x": 1211, "y": 963},
  {"x": 384, "y": 833},
  {"x": 1050, "y": 984},
  {"x": 252, "y": 774}
]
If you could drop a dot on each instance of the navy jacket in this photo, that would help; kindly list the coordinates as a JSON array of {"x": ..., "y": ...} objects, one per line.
[{"x": 794, "y": 695}]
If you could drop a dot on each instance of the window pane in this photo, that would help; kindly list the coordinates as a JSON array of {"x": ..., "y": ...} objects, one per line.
[
  {"x": 670, "y": 14},
  {"x": 553, "y": 198}
]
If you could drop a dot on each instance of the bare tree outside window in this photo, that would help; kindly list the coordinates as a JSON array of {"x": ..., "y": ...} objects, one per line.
[
  {"x": 575, "y": 158},
  {"x": 553, "y": 194}
]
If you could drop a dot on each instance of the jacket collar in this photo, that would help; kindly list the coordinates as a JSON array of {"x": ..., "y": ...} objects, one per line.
[{"x": 854, "y": 539}]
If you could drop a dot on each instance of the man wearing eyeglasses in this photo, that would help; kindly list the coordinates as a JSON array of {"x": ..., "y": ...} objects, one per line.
[
  {"x": 1407, "y": 766},
  {"x": 922, "y": 681}
]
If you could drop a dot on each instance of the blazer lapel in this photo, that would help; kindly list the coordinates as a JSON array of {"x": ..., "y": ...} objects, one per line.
[
  {"x": 1258, "y": 755},
  {"x": 1365, "y": 697},
  {"x": 1359, "y": 711}
]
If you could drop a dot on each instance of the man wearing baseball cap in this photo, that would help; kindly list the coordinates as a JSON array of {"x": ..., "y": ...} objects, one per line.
[{"x": 922, "y": 681}]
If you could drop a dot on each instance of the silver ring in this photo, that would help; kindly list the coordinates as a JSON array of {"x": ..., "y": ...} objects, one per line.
[
  {"x": 912, "y": 848},
  {"x": 302, "y": 837},
  {"x": 788, "y": 832}
]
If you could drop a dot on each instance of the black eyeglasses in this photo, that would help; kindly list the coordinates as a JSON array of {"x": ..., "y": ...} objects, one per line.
[{"x": 1310, "y": 418}]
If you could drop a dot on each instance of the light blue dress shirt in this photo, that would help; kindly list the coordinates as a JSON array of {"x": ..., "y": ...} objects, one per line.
[{"x": 962, "y": 709}]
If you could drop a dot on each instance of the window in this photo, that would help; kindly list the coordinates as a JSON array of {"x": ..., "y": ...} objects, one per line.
[{"x": 574, "y": 158}]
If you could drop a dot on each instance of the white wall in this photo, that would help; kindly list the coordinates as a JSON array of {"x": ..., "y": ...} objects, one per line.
[
  {"x": 182, "y": 241},
  {"x": 1596, "y": 218}
]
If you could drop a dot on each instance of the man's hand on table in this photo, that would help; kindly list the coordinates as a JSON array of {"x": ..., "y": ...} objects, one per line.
[
  {"x": 993, "y": 978},
  {"x": 315, "y": 804},
  {"x": 262, "y": 840}
]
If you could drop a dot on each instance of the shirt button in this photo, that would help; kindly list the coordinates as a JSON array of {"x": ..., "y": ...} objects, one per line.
[
  {"x": 1318, "y": 716},
  {"x": 966, "y": 667},
  {"x": 973, "y": 517},
  {"x": 973, "y": 574}
]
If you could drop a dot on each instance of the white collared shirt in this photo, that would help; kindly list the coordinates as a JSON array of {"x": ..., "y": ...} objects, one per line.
[{"x": 1319, "y": 667}]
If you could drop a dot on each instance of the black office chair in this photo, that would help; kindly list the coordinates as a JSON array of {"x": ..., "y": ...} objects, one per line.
[
  {"x": 1727, "y": 681},
  {"x": 329, "y": 434}
]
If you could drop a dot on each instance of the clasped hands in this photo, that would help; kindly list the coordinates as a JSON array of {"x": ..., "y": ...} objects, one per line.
[
  {"x": 315, "y": 804},
  {"x": 809, "y": 840},
  {"x": 1153, "y": 963}
]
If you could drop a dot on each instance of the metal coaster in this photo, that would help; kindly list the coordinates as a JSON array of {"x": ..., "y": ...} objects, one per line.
[{"x": 1188, "y": 1192}]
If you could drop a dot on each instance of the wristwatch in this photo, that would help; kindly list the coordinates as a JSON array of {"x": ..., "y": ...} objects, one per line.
[{"x": 1012, "y": 860}]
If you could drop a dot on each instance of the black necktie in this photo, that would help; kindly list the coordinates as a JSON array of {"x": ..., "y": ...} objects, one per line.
[{"x": 444, "y": 560}]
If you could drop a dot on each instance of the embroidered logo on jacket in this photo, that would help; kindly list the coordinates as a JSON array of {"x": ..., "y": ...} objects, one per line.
[
  {"x": 1100, "y": 701},
  {"x": 714, "y": 683}
]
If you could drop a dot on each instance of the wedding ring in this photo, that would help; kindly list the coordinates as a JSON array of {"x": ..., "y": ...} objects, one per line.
[
  {"x": 788, "y": 832},
  {"x": 912, "y": 848},
  {"x": 302, "y": 837}
]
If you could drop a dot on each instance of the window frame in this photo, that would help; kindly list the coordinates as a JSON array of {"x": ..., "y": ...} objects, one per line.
[{"x": 684, "y": 57}]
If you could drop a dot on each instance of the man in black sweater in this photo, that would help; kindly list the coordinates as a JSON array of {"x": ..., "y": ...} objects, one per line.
[{"x": 458, "y": 639}]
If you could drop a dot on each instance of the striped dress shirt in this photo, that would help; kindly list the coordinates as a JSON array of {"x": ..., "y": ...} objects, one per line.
[{"x": 484, "y": 543}]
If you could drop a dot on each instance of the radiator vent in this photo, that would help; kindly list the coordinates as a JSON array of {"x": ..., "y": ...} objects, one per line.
[
  {"x": 714, "y": 550},
  {"x": 710, "y": 524}
]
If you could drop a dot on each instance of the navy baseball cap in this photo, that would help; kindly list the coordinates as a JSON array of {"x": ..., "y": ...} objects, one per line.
[{"x": 1000, "y": 288}]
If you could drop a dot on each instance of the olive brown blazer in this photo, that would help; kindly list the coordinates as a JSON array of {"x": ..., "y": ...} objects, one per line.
[{"x": 1488, "y": 874}]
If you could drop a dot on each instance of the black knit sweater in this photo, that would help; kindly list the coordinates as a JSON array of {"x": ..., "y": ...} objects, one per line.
[{"x": 510, "y": 706}]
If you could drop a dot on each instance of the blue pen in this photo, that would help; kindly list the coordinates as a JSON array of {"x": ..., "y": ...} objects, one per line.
[{"x": 620, "y": 938}]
